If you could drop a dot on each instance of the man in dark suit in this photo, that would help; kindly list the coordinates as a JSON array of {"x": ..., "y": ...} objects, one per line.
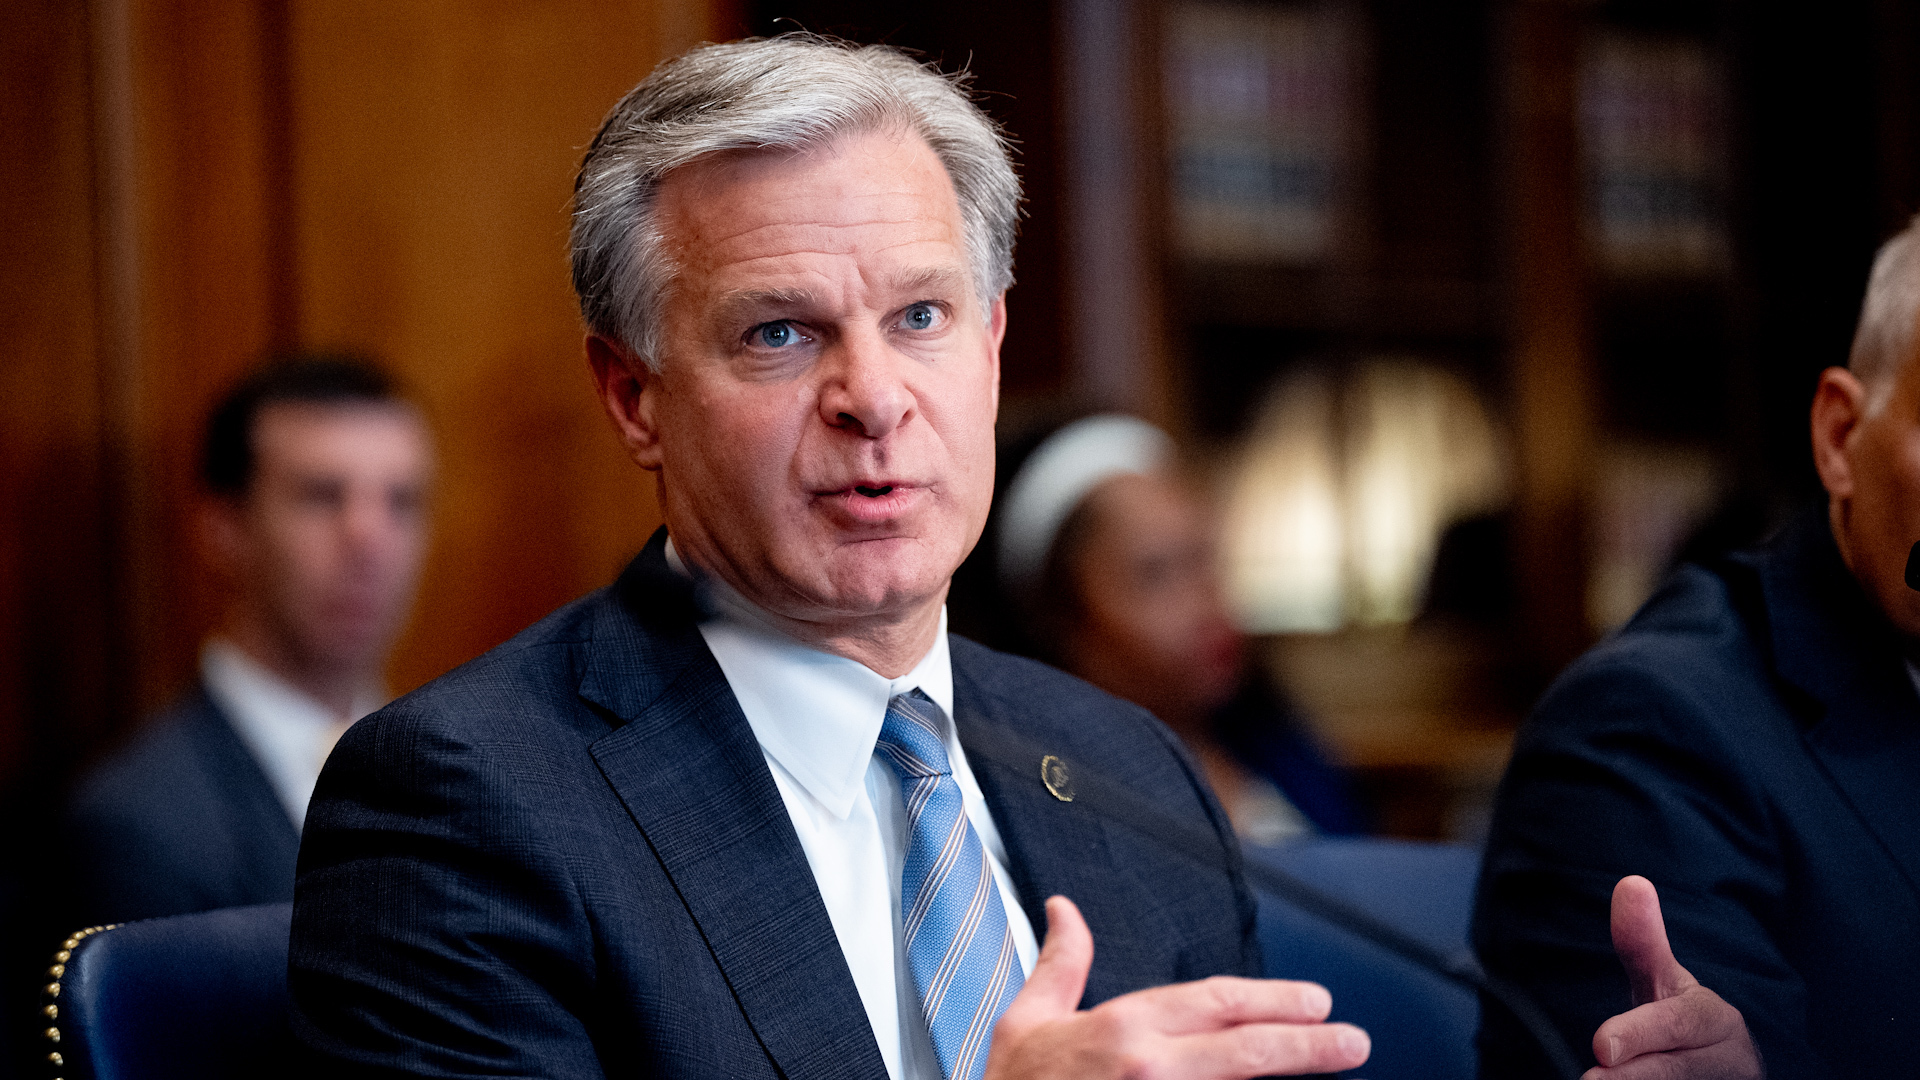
[
  {"x": 751, "y": 812},
  {"x": 1750, "y": 744},
  {"x": 315, "y": 472}
]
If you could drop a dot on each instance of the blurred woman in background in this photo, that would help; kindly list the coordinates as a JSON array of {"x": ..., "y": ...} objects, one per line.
[{"x": 1107, "y": 556}]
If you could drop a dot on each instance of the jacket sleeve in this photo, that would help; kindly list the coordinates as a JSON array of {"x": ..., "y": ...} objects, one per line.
[
  {"x": 436, "y": 931},
  {"x": 1623, "y": 770}
]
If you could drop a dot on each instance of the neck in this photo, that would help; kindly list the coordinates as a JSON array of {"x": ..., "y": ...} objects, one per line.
[
  {"x": 338, "y": 688},
  {"x": 890, "y": 645}
]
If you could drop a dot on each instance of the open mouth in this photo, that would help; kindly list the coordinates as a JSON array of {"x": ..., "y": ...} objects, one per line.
[{"x": 872, "y": 492}]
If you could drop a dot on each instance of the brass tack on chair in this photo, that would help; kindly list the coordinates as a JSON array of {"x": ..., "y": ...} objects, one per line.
[
  {"x": 55, "y": 1059},
  {"x": 63, "y": 956},
  {"x": 53, "y": 990},
  {"x": 56, "y": 971},
  {"x": 52, "y": 1012},
  {"x": 53, "y": 1035}
]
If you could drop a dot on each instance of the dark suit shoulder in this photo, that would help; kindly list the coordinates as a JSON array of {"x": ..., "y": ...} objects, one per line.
[
  {"x": 520, "y": 690},
  {"x": 1042, "y": 694},
  {"x": 181, "y": 818},
  {"x": 1669, "y": 750},
  {"x": 1126, "y": 743},
  {"x": 162, "y": 757},
  {"x": 1687, "y": 667}
]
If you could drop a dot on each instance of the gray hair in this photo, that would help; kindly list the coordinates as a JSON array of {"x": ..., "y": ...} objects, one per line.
[
  {"x": 790, "y": 92},
  {"x": 1889, "y": 332}
]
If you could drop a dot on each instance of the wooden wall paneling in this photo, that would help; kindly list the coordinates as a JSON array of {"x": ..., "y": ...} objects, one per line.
[
  {"x": 435, "y": 146},
  {"x": 202, "y": 159},
  {"x": 1551, "y": 363},
  {"x": 55, "y": 596},
  {"x": 1109, "y": 58}
]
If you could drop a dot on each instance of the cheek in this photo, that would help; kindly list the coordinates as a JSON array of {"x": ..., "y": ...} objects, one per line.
[
  {"x": 735, "y": 441},
  {"x": 967, "y": 432}
]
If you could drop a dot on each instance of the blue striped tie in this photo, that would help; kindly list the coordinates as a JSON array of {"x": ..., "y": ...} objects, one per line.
[{"x": 958, "y": 943}]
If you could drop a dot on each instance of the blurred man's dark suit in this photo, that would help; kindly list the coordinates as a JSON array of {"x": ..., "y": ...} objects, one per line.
[
  {"x": 569, "y": 857},
  {"x": 1750, "y": 742},
  {"x": 181, "y": 819}
]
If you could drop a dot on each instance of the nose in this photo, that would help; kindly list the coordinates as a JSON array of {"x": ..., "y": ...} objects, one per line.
[
  {"x": 367, "y": 522},
  {"x": 865, "y": 391}
]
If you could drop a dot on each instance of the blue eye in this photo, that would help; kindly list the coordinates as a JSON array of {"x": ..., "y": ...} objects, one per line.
[
  {"x": 920, "y": 317},
  {"x": 774, "y": 335}
]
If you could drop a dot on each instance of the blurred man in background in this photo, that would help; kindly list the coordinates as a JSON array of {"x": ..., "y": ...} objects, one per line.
[
  {"x": 1750, "y": 743},
  {"x": 316, "y": 474}
]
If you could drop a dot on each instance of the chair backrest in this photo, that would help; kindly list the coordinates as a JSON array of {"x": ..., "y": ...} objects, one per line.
[
  {"x": 1422, "y": 1023},
  {"x": 201, "y": 996}
]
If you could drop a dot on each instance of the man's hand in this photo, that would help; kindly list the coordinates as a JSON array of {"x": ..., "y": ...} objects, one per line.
[
  {"x": 1216, "y": 1029},
  {"x": 1678, "y": 1029}
]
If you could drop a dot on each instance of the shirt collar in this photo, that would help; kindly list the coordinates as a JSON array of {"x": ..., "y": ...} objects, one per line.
[
  {"x": 817, "y": 714},
  {"x": 250, "y": 689}
]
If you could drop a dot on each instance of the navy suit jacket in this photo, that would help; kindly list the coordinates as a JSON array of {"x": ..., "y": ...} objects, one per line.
[
  {"x": 569, "y": 859},
  {"x": 1750, "y": 742},
  {"x": 180, "y": 819}
]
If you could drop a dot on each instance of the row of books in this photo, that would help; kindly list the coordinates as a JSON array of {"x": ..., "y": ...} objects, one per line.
[
  {"x": 1652, "y": 127},
  {"x": 1259, "y": 114},
  {"x": 1263, "y": 113}
]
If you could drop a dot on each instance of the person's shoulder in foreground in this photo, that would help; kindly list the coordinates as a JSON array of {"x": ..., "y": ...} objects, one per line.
[
  {"x": 580, "y": 844},
  {"x": 1739, "y": 780},
  {"x": 1751, "y": 743}
]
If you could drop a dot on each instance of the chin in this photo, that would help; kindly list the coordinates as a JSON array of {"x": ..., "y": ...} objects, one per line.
[{"x": 883, "y": 575}]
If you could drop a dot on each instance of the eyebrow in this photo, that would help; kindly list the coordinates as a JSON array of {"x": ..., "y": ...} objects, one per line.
[
  {"x": 930, "y": 279},
  {"x": 735, "y": 306}
]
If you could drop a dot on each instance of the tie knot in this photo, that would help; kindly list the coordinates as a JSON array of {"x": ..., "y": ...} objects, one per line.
[{"x": 910, "y": 737}]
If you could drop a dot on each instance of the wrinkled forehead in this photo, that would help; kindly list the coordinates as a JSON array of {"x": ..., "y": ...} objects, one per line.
[{"x": 842, "y": 196}]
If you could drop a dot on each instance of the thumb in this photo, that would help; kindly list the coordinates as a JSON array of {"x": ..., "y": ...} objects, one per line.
[
  {"x": 1060, "y": 974},
  {"x": 1640, "y": 940}
]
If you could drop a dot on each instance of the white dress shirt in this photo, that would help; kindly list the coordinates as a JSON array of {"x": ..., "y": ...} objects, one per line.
[
  {"x": 817, "y": 717},
  {"x": 288, "y": 732}
]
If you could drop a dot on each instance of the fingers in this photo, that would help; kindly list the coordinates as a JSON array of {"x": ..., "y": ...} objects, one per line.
[
  {"x": 1263, "y": 1050},
  {"x": 1216, "y": 1029},
  {"x": 1224, "y": 1001},
  {"x": 1640, "y": 940},
  {"x": 1695, "y": 1019},
  {"x": 1733, "y": 1059},
  {"x": 1059, "y": 977}
]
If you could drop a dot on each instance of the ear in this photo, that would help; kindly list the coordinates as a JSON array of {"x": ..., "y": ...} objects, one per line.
[
  {"x": 630, "y": 392},
  {"x": 1839, "y": 405},
  {"x": 996, "y": 333},
  {"x": 223, "y": 532}
]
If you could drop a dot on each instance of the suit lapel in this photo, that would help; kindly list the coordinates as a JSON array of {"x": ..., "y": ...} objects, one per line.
[
  {"x": 1863, "y": 716},
  {"x": 686, "y": 765},
  {"x": 1053, "y": 847},
  {"x": 1869, "y": 746},
  {"x": 262, "y": 832}
]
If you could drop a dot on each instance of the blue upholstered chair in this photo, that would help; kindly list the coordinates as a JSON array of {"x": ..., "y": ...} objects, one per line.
[
  {"x": 202, "y": 996},
  {"x": 205, "y": 996},
  {"x": 1422, "y": 1023}
]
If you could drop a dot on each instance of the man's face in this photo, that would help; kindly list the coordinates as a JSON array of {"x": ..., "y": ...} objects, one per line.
[
  {"x": 823, "y": 419},
  {"x": 1873, "y": 481},
  {"x": 327, "y": 542}
]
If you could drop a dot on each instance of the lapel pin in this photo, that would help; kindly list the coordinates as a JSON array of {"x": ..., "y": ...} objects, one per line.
[{"x": 1053, "y": 773}]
